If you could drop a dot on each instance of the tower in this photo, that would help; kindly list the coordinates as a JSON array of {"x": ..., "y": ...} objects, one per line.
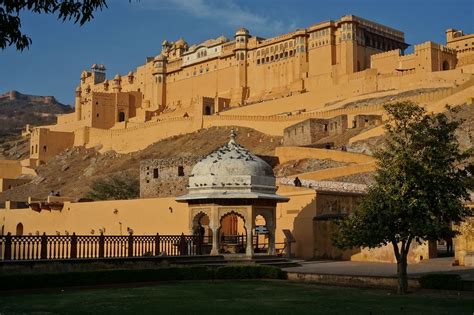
[
  {"x": 241, "y": 41},
  {"x": 159, "y": 84},
  {"x": 78, "y": 103},
  {"x": 98, "y": 73}
]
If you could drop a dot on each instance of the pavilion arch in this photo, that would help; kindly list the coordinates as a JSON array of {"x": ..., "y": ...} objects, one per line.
[
  {"x": 232, "y": 233},
  {"x": 196, "y": 216}
]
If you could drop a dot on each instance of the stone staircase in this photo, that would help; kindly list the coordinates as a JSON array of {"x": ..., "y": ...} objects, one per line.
[{"x": 226, "y": 260}]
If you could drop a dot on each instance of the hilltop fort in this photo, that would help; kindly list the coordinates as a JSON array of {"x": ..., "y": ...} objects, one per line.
[{"x": 305, "y": 93}]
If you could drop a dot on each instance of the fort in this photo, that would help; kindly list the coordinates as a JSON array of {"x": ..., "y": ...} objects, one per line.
[{"x": 329, "y": 79}]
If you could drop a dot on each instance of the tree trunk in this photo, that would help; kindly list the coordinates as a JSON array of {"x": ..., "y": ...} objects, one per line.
[{"x": 402, "y": 274}]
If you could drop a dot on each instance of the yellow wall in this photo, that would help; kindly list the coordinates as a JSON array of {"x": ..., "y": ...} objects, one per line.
[
  {"x": 286, "y": 154},
  {"x": 144, "y": 216},
  {"x": 10, "y": 169}
]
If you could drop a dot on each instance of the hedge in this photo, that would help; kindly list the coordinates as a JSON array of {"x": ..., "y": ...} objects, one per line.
[
  {"x": 120, "y": 276},
  {"x": 442, "y": 282}
]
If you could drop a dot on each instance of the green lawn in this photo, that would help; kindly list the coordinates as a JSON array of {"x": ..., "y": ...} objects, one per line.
[{"x": 234, "y": 297}]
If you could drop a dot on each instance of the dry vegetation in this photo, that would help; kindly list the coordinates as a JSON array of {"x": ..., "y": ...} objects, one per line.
[{"x": 73, "y": 171}]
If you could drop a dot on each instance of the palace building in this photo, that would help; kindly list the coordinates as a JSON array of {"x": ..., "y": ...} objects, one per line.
[{"x": 305, "y": 90}]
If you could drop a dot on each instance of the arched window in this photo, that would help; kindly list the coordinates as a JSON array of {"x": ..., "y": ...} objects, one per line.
[
  {"x": 446, "y": 65},
  {"x": 19, "y": 229}
]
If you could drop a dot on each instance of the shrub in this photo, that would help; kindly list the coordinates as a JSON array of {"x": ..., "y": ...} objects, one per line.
[
  {"x": 101, "y": 277},
  {"x": 115, "y": 187}
]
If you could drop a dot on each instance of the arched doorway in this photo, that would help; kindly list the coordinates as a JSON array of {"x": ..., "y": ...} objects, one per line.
[
  {"x": 207, "y": 110},
  {"x": 19, "y": 229},
  {"x": 232, "y": 234},
  {"x": 121, "y": 117},
  {"x": 260, "y": 239},
  {"x": 446, "y": 65},
  {"x": 200, "y": 227}
]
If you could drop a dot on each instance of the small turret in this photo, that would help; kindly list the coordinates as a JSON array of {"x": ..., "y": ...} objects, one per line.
[
  {"x": 117, "y": 87},
  {"x": 78, "y": 103}
]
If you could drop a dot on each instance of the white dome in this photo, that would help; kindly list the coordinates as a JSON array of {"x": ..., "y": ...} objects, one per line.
[
  {"x": 231, "y": 171},
  {"x": 230, "y": 160}
]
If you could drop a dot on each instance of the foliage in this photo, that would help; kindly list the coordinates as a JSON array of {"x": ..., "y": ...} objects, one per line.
[
  {"x": 421, "y": 184},
  {"x": 115, "y": 187},
  {"x": 79, "y": 11},
  {"x": 101, "y": 277}
]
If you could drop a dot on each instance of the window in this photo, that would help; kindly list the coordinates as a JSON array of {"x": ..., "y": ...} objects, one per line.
[
  {"x": 180, "y": 170},
  {"x": 44, "y": 148},
  {"x": 121, "y": 117},
  {"x": 155, "y": 173}
]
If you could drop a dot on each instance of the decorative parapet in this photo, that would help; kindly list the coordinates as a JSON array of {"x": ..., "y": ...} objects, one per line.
[{"x": 326, "y": 185}]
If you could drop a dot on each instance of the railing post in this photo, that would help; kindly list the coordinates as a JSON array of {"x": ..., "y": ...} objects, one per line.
[
  {"x": 44, "y": 246},
  {"x": 73, "y": 246},
  {"x": 157, "y": 244},
  {"x": 8, "y": 246},
  {"x": 101, "y": 245},
  {"x": 130, "y": 244},
  {"x": 183, "y": 248},
  {"x": 199, "y": 244}
]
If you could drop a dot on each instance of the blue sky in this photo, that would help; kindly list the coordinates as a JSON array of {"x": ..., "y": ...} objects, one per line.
[{"x": 122, "y": 36}]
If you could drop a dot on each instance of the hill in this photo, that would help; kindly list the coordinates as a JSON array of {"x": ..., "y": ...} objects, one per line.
[
  {"x": 18, "y": 110},
  {"x": 73, "y": 171}
]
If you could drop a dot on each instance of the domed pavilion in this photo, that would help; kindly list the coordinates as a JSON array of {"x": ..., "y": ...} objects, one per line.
[{"x": 231, "y": 185}]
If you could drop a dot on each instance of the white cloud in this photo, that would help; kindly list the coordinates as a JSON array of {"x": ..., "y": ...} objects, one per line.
[{"x": 227, "y": 12}]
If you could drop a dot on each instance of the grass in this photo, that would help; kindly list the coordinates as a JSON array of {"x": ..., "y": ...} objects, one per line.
[{"x": 233, "y": 297}]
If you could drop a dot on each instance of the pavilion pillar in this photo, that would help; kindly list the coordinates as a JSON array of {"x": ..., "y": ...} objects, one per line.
[
  {"x": 249, "y": 248},
  {"x": 215, "y": 239},
  {"x": 271, "y": 239}
]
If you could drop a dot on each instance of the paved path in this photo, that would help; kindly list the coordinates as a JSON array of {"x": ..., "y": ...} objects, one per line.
[{"x": 438, "y": 265}]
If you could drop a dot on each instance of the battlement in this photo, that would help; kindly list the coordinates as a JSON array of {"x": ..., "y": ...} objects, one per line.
[{"x": 391, "y": 53}]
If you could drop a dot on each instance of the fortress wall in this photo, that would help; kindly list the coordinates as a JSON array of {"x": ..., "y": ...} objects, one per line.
[
  {"x": 138, "y": 137},
  {"x": 66, "y": 118},
  {"x": 417, "y": 253},
  {"x": 386, "y": 62},
  {"x": 144, "y": 216},
  {"x": 297, "y": 216},
  {"x": 10, "y": 169},
  {"x": 286, "y": 154},
  {"x": 338, "y": 171},
  {"x": 464, "y": 243}
]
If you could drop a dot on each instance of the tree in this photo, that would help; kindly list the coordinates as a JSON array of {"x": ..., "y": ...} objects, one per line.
[
  {"x": 421, "y": 184},
  {"x": 80, "y": 11},
  {"x": 115, "y": 187}
]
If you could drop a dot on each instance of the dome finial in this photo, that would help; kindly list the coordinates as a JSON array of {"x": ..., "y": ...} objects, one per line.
[{"x": 233, "y": 135}]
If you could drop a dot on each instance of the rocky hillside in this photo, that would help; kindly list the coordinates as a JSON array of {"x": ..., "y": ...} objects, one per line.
[
  {"x": 73, "y": 171},
  {"x": 17, "y": 110}
]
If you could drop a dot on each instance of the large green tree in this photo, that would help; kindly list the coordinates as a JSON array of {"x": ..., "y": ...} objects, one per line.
[
  {"x": 79, "y": 11},
  {"x": 421, "y": 185}
]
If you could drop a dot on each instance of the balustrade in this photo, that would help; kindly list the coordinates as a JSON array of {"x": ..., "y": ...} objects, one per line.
[{"x": 74, "y": 246}]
